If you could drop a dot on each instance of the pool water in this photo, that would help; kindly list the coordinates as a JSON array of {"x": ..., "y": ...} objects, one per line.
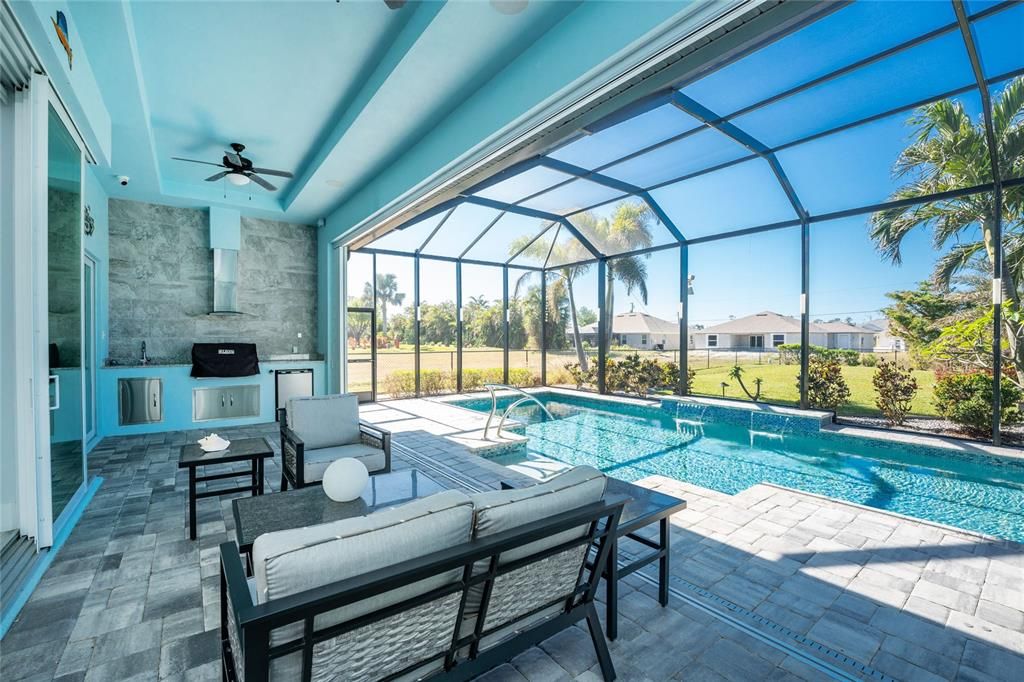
[{"x": 975, "y": 492}]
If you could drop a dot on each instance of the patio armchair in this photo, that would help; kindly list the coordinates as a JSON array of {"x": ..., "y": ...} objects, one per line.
[
  {"x": 448, "y": 586},
  {"x": 316, "y": 431}
]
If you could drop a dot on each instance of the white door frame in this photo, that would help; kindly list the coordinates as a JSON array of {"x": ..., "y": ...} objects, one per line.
[{"x": 89, "y": 331}]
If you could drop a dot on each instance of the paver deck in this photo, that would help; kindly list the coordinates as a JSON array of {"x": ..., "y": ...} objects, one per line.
[{"x": 767, "y": 584}]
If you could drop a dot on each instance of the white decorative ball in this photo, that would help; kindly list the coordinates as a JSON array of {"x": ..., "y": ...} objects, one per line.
[{"x": 345, "y": 479}]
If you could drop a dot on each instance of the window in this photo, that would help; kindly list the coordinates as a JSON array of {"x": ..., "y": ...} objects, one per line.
[
  {"x": 712, "y": 340},
  {"x": 778, "y": 340},
  {"x": 757, "y": 341},
  {"x": 643, "y": 340}
]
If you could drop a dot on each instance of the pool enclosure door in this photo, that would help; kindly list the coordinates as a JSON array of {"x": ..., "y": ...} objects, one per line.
[{"x": 361, "y": 364}]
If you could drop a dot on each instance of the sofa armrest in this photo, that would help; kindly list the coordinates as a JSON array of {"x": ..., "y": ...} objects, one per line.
[
  {"x": 235, "y": 601},
  {"x": 293, "y": 452},
  {"x": 374, "y": 435}
]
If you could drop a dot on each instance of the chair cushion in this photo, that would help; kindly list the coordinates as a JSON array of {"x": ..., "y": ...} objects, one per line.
[
  {"x": 325, "y": 421},
  {"x": 289, "y": 562},
  {"x": 500, "y": 510},
  {"x": 317, "y": 461}
]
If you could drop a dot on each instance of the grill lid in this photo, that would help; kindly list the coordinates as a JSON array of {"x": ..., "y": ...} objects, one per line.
[{"x": 224, "y": 360}]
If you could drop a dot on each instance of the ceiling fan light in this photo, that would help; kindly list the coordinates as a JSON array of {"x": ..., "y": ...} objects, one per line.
[{"x": 238, "y": 179}]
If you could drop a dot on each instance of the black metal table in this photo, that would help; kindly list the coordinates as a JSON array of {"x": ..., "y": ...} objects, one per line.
[
  {"x": 644, "y": 507},
  {"x": 309, "y": 506},
  {"x": 252, "y": 450}
]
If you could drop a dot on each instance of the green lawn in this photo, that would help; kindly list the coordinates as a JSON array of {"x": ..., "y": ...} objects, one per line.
[{"x": 780, "y": 387}]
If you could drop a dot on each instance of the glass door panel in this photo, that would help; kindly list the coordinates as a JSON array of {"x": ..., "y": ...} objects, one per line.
[
  {"x": 64, "y": 253},
  {"x": 362, "y": 354}
]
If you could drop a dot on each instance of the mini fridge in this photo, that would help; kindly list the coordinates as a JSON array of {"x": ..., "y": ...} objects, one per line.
[{"x": 292, "y": 383}]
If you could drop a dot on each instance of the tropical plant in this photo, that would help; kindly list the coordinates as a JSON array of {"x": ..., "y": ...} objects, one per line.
[
  {"x": 387, "y": 294},
  {"x": 737, "y": 373},
  {"x": 949, "y": 151},
  {"x": 628, "y": 229},
  {"x": 896, "y": 388},
  {"x": 826, "y": 387},
  {"x": 966, "y": 400}
]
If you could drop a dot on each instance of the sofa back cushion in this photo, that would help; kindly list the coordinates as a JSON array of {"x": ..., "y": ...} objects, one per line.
[
  {"x": 325, "y": 421},
  {"x": 534, "y": 585},
  {"x": 288, "y": 562}
]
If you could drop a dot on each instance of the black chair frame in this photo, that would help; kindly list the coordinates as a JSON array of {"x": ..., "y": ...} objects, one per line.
[
  {"x": 254, "y": 622},
  {"x": 293, "y": 451}
]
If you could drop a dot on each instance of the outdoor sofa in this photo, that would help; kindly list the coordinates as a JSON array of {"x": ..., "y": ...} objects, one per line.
[
  {"x": 449, "y": 586},
  {"x": 317, "y": 430}
]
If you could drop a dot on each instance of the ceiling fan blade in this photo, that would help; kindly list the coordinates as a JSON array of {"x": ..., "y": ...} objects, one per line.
[
  {"x": 394, "y": 4},
  {"x": 217, "y": 176},
  {"x": 233, "y": 158},
  {"x": 269, "y": 171},
  {"x": 262, "y": 183},
  {"x": 205, "y": 163}
]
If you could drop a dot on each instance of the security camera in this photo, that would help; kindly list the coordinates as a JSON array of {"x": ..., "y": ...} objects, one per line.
[{"x": 123, "y": 179}]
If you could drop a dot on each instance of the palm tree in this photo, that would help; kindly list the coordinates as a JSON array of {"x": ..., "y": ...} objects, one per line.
[
  {"x": 387, "y": 294},
  {"x": 627, "y": 229},
  {"x": 949, "y": 151}
]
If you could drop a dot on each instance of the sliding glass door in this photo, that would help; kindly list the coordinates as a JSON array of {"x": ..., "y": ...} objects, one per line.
[{"x": 64, "y": 261}]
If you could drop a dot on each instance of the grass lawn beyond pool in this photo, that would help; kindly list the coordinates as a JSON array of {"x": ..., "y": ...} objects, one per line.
[{"x": 780, "y": 386}]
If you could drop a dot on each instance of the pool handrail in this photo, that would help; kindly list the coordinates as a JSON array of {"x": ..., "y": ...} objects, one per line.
[{"x": 527, "y": 397}]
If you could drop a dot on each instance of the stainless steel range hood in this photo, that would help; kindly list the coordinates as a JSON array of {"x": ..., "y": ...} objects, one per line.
[
  {"x": 226, "y": 241},
  {"x": 225, "y": 282}
]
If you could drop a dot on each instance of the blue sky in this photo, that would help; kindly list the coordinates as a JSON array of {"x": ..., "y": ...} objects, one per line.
[{"x": 848, "y": 169}]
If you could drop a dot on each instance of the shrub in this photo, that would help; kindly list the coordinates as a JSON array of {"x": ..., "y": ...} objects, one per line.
[
  {"x": 474, "y": 379},
  {"x": 869, "y": 359},
  {"x": 580, "y": 376},
  {"x": 966, "y": 400},
  {"x": 435, "y": 382},
  {"x": 896, "y": 388},
  {"x": 789, "y": 354},
  {"x": 826, "y": 388},
  {"x": 521, "y": 377},
  {"x": 400, "y": 384}
]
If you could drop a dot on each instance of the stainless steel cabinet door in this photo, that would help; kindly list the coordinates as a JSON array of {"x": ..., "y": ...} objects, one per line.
[
  {"x": 226, "y": 402},
  {"x": 140, "y": 401}
]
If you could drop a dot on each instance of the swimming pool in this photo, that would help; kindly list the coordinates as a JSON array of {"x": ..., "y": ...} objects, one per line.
[{"x": 975, "y": 492}]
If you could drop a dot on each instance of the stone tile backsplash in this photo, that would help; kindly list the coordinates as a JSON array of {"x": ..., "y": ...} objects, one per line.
[{"x": 161, "y": 284}]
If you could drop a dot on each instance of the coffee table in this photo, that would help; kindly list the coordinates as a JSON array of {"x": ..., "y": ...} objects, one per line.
[
  {"x": 309, "y": 506},
  {"x": 253, "y": 450}
]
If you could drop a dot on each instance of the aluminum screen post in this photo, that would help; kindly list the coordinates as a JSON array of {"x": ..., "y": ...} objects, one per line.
[
  {"x": 505, "y": 322},
  {"x": 543, "y": 328},
  {"x": 458, "y": 327},
  {"x": 684, "y": 325},
  {"x": 416, "y": 321},
  {"x": 602, "y": 323},
  {"x": 805, "y": 313}
]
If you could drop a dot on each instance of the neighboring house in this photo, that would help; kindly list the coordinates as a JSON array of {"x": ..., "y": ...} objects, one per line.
[
  {"x": 767, "y": 330},
  {"x": 637, "y": 330},
  {"x": 885, "y": 341},
  {"x": 848, "y": 336}
]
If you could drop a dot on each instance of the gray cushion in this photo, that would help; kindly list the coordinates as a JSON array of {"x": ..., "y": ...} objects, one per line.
[
  {"x": 317, "y": 461},
  {"x": 501, "y": 510},
  {"x": 288, "y": 562},
  {"x": 325, "y": 421}
]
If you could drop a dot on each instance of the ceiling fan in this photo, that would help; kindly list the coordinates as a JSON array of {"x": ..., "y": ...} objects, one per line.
[{"x": 239, "y": 169}]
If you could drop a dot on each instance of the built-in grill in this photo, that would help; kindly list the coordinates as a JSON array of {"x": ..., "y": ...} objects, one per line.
[{"x": 224, "y": 360}]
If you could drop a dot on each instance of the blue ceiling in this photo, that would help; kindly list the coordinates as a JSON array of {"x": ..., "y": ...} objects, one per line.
[{"x": 330, "y": 91}]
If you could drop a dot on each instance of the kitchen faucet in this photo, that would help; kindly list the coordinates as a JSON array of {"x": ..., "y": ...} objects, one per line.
[{"x": 144, "y": 360}]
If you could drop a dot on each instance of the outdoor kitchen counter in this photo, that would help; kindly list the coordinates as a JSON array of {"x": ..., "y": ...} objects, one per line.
[{"x": 177, "y": 394}]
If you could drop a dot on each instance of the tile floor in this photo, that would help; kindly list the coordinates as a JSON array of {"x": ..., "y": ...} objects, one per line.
[{"x": 767, "y": 584}]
